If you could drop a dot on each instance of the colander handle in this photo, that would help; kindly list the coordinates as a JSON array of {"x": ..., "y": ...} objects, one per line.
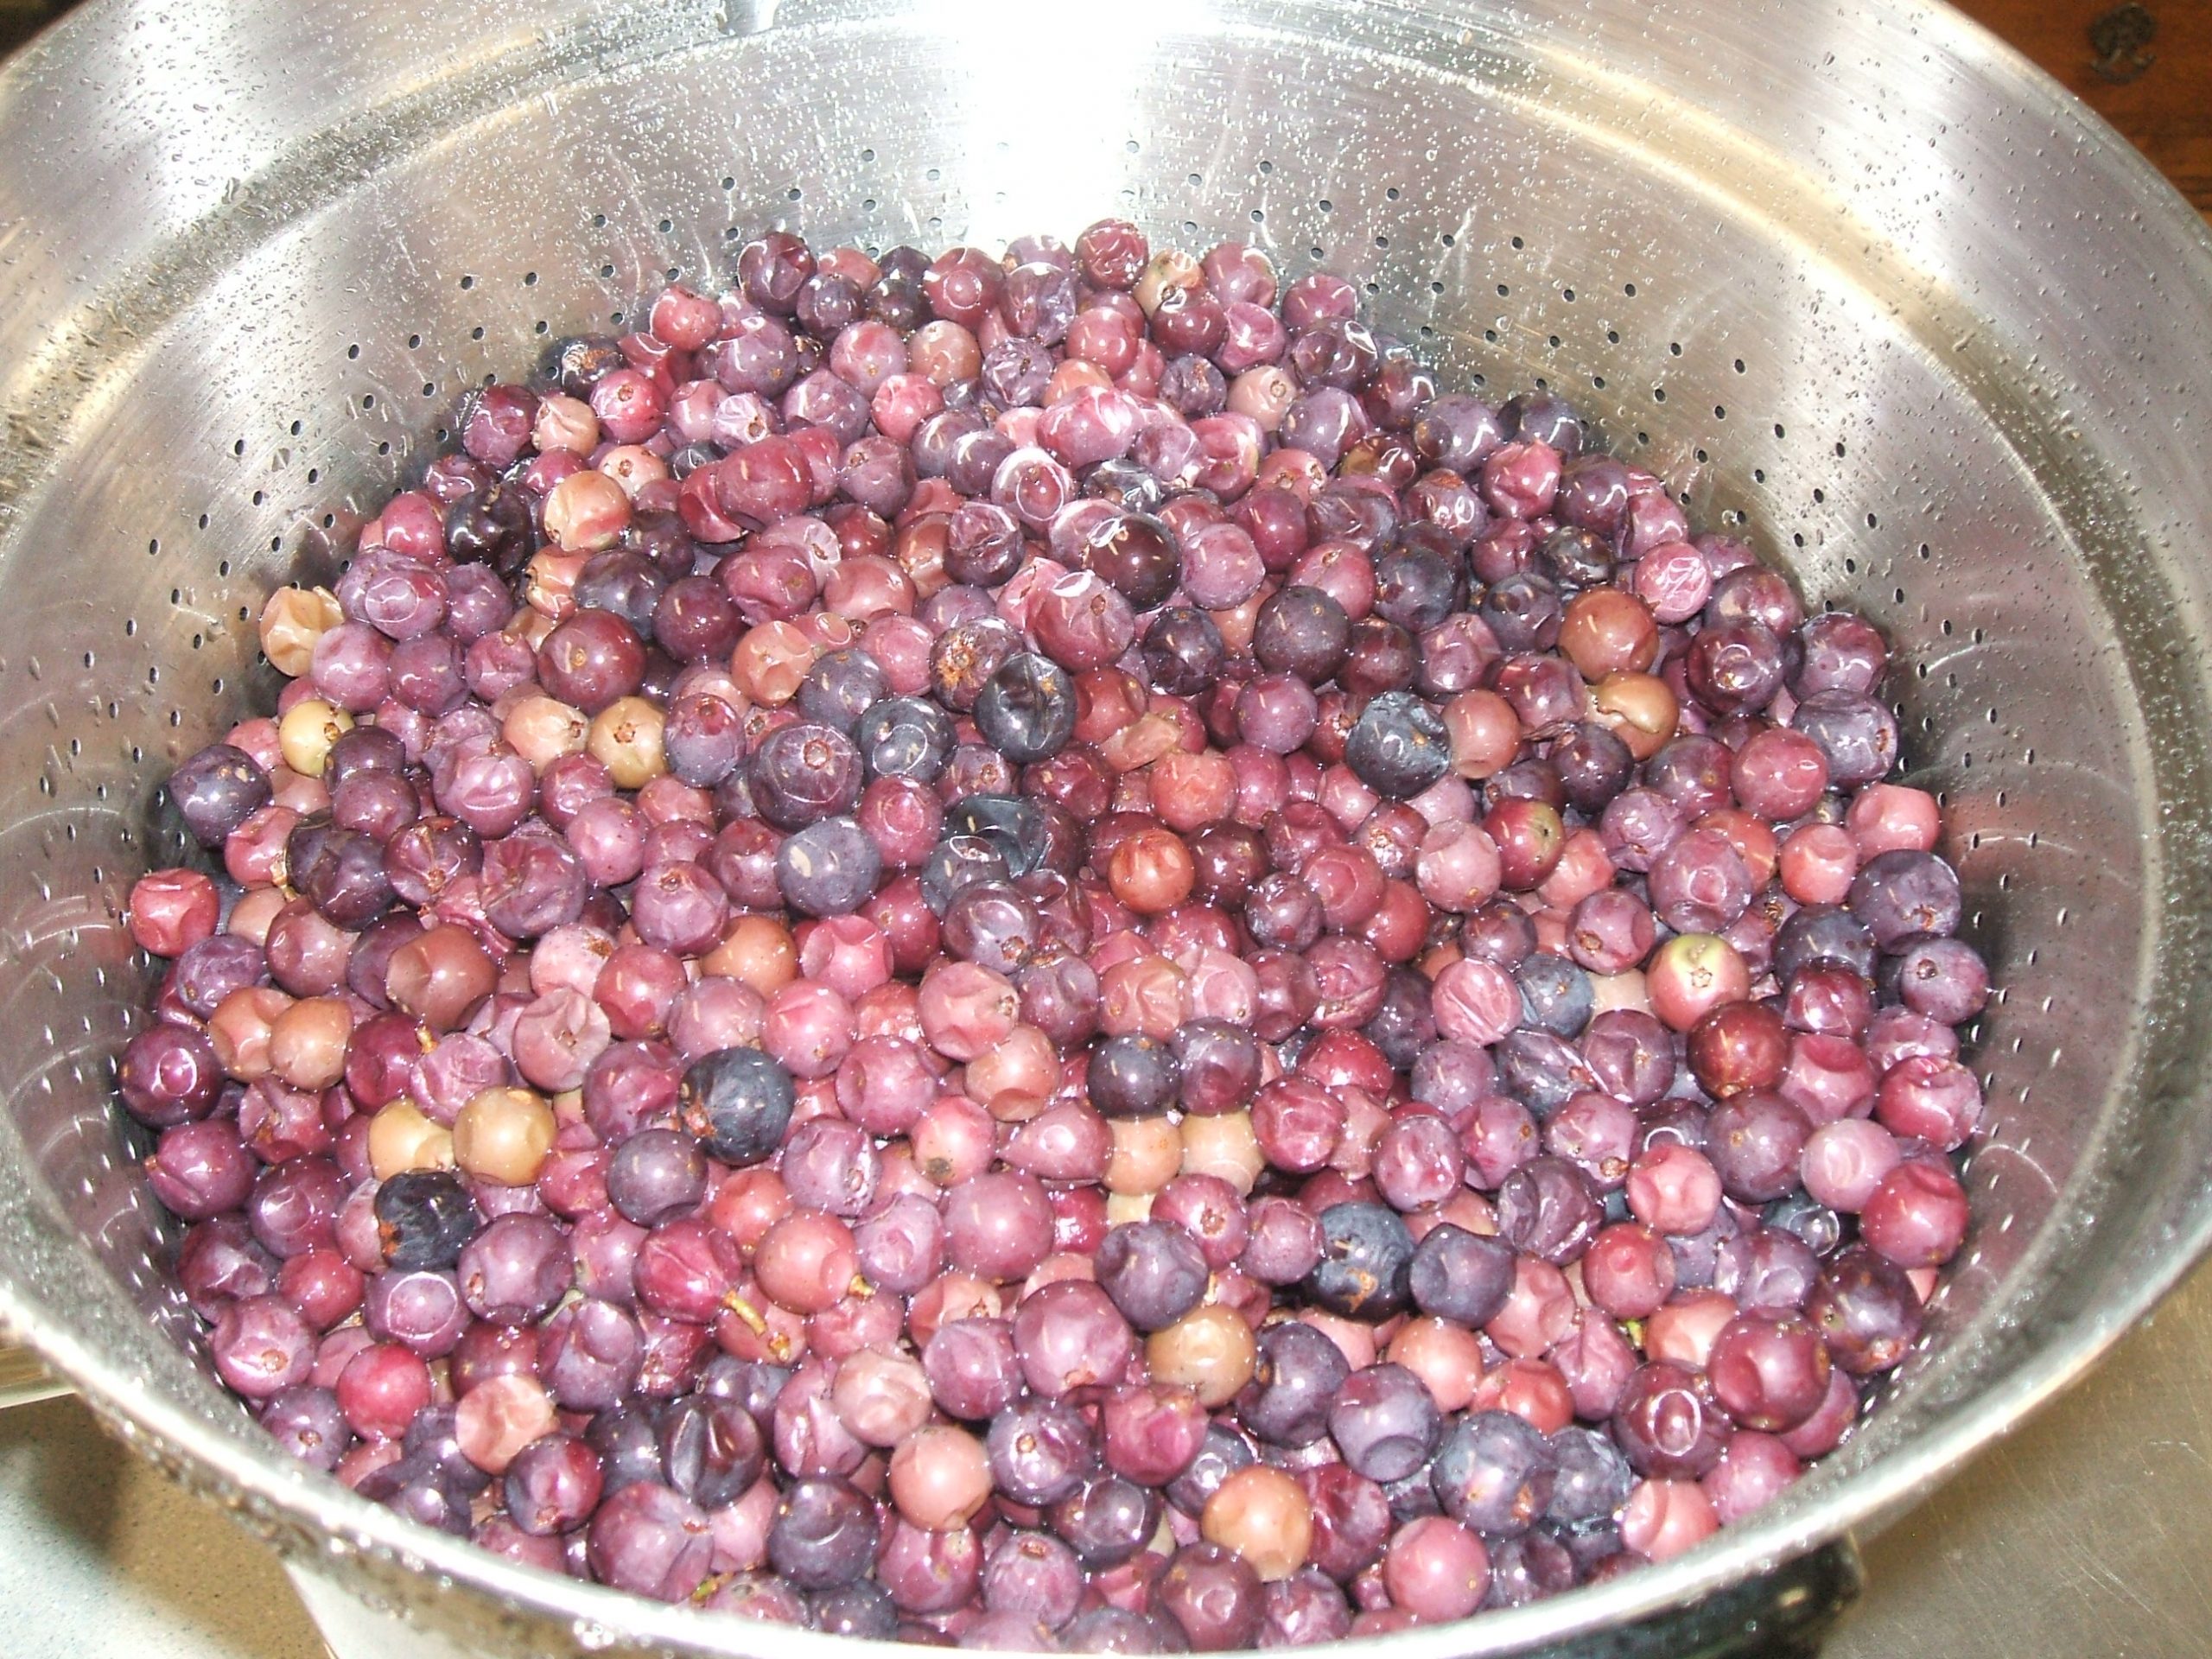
[{"x": 1785, "y": 1614}]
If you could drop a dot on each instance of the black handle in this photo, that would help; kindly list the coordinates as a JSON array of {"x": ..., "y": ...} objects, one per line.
[{"x": 1786, "y": 1614}]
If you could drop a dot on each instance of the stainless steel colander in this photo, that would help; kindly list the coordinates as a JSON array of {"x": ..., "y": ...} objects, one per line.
[{"x": 1855, "y": 279}]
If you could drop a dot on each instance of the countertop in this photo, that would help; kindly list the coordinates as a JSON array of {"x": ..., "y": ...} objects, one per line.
[{"x": 2089, "y": 1533}]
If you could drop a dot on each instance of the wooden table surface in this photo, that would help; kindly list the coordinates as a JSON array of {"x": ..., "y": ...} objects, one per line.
[{"x": 2145, "y": 67}]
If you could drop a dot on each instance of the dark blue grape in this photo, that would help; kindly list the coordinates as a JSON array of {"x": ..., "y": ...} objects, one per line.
[
  {"x": 1529, "y": 1568},
  {"x": 1398, "y": 747},
  {"x": 1592, "y": 1477},
  {"x": 1221, "y": 1454},
  {"x": 364, "y": 749},
  {"x": 308, "y": 1423},
  {"x": 711, "y": 1450},
  {"x": 703, "y": 739},
  {"x": 628, "y": 1443},
  {"x": 660, "y": 536},
  {"x": 423, "y": 1218},
  {"x": 903, "y": 737},
  {"x": 1539, "y": 418},
  {"x": 1183, "y": 652},
  {"x": 1385, "y": 1422},
  {"x": 1556, "y": 995},
  {"x": 1545, "y": 1209},
  {"x": 1404, "y": 1027},
  {"x": 1134, "y": 1075},
  {"x": 1039, "y": 1451},
  {"x": 1807, "y": 1219},
  {"x": 752, "y": 1384},
  {"x": 1016, "y": 373},
  {"x": 1018, "y": 828},
  {"x": 623, "y": 581},
  {"x": 1284, "y": 914},
  {"x": 429, "y": 1502},
  {"x": 1153, "y": 1271},
  {"x": 1219, "y": 1063},
  {"x": 959, "y": 863},
  {"x": 896, "y": 300},
  {"x": 1194, "y": 386},
  {"x": 1856, "y": 735},
  {"x": 1574, "y": 557},
  {"x": 823, "y": 1536},
  {"x": 1026, "y": 710},
  {"x": 803, "y": 772},
  {"x": 841, "y": 687},
  {"x": 1900, "y": 895},
  {"x": 990, "y": 923},
  {"x": 864, "y": 1608},
  {"x": 1410, "y": 1498},
  {"x": 1816, "y": 934},
  {"x": 1295, "y": 1380},
  {"x": 1106, "y": 1519},
  {"x": 737, "y": 1102},
  {"x": 656, "y": 1175},
  {"x": 1301, "y": 630},
  {"x": 1494, "y": 1472},
  {"x": 435, "y": 1437},
  {"x": 340, "y": 872},
  {"x": 493, "y": 527},
  {"x": 1541, "y": 1070},
  {"x": 1366, "y": 1257},
  {"x": 829, "y": 868},
  {"x": 1418, "y": 586}
]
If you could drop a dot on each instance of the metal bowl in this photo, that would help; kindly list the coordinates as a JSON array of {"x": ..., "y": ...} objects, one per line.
[{"x": 1855, "y": 280}]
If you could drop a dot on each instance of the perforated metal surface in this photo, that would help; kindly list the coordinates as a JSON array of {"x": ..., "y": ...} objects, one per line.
[{"x": 1854, "y": 284}]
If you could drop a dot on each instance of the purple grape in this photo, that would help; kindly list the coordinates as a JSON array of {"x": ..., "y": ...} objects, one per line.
[{"x": 1385, "y": 1422}]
